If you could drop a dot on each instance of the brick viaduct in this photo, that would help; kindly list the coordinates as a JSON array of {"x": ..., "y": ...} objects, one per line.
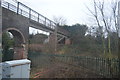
[{"x": 16, "y": 20}]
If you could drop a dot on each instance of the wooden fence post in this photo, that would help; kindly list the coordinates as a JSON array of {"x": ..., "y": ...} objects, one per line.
[{"x": 118, "y": 23}]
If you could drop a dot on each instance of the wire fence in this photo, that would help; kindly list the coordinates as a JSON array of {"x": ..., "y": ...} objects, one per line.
[{"x": 105, "y": 67}]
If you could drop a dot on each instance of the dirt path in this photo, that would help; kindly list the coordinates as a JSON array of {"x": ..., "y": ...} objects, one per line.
[{"x": 61, "y": 70}]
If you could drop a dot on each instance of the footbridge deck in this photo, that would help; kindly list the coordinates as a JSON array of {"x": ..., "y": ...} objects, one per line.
[{"x": 36, "y": 20}]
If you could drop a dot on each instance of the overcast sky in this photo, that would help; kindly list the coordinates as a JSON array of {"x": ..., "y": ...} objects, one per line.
[{"x": 74, "y": 11}]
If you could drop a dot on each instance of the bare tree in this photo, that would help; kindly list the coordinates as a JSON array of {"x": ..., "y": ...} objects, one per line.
[
  {"x": 95, "y": 15},
  {"x": 114, "y": 9},
  {"x": 105, "y": 21},
  {"x": 60, "y": 20}
]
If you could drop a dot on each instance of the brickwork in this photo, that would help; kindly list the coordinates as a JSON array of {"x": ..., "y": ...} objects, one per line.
[
  {"x": 19, "y": 25},
  {"x": 67, "y": 42}
]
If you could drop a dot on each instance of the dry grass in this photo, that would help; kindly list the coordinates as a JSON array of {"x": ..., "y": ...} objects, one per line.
[{"x": 60, "y": 70}]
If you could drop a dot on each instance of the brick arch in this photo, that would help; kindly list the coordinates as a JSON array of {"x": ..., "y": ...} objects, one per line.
[
  {"x": 20, "y": 43},
  {"x": 17, "y": 34}
]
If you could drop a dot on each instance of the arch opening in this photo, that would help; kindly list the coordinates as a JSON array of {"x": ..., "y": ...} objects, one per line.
[{"x": 13, "y": 45}]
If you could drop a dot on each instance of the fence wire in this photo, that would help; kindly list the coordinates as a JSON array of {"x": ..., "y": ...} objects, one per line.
[{"x": 105, "y": 67}]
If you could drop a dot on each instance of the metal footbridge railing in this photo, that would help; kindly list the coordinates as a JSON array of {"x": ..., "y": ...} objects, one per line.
[{"x": 26, "y": 11}]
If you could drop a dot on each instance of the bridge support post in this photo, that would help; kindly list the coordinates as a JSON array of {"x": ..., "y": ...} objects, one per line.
[{"x": 52, "y": 42}]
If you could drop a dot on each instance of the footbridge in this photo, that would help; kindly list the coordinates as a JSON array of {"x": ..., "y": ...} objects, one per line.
[{"x": 17, "y": 18}]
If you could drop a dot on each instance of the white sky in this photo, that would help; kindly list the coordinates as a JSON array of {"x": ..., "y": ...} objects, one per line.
[{"x": 74, "y": 11}]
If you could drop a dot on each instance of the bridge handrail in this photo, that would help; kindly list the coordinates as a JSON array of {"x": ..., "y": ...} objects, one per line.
[{"x": 43, "y": 20}]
